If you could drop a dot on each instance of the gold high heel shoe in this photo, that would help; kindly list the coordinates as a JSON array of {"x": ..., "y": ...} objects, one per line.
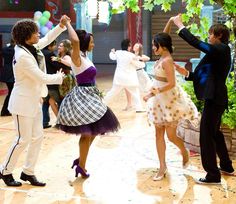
[
  {"x": 186, "y": 164},
  {"x": 159, "y": 177}
]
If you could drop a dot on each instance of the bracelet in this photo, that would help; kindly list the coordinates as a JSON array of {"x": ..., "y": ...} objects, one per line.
[{"x": 156, "y": 91}]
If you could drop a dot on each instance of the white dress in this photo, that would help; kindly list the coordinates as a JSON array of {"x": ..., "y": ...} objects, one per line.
[{"x": 169, "y": 107}]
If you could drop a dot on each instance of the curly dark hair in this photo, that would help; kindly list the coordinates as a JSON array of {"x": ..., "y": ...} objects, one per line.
[
  {"x": 163, "y": 40},
  {"x": 23, "y": 30},
  {"x": 84, "y": 39}
]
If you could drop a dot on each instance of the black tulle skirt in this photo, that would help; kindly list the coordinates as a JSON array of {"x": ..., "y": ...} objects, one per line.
[{"x": 107, "y": 123}]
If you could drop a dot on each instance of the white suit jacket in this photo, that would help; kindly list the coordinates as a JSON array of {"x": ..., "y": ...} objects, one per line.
[
  {"x": 127, "y": 63},
  {"x": 31, "y": 78}
]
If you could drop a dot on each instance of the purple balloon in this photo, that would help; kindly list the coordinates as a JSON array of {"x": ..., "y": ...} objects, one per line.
[{"x": 49, "y": 24}]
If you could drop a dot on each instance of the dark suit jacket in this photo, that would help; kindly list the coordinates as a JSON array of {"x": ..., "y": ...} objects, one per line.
[
  {"x": 6, "y": 74},
  {"x": 52, "y": 66},
  {"x": 210, "y": 74}
]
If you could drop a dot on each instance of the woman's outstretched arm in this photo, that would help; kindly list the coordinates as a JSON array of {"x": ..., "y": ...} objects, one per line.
[{"x": 75, "y": 54}]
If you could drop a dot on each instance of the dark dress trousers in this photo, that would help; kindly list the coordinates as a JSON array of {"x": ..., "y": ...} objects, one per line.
[
  {"x": 209, "y": 79},
  {"x": 7, "y": 76}
]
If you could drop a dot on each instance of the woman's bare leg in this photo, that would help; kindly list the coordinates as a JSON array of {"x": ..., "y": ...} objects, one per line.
[
  {"x": 161, "y": 149},
  {"x": 171, "y": 133},
  {"x": 54, "y": 106}
]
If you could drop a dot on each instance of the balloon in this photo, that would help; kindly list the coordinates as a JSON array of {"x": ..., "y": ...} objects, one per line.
[
  {"x": 38, "y": 24},
  {"x": 37, "y": 15},
  {"x": 46, "y": 14},
  {"x": 43, "y": 20},
  {"x": 49, "y": 24},
  {"x": 44, "y": 30}
]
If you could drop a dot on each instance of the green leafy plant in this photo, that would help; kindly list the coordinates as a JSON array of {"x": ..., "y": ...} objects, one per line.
[
  {"x": 188, "y": 87},
  {"x": 229, "y": 116}
]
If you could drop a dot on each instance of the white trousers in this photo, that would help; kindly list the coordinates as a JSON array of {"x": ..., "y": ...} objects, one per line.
[
  {"x": 134, "y": 91},
  {"x": 29, "y": 134}
]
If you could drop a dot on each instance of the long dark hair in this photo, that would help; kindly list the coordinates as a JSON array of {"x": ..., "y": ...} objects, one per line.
[
  {"x": 163, "y": 40},
  {"x": 84, "y": 39}
]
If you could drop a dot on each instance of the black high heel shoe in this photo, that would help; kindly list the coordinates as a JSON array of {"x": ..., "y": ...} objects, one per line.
[
  {"x": 75, "y": 163},
  {"x": 79, "y": 170}
]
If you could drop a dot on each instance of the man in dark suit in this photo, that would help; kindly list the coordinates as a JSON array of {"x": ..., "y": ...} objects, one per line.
[
  {"x": 7, "y": 74},
  {"x": 209, "y": 85}
]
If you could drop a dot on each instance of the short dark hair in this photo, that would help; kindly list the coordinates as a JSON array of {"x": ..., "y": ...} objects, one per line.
[
  {"x": 84, "y": 39},
  {"x": 23, "y": 30},
  {"x": 222, "y": 31},
  {"x": 163, "y": 40},
  {"x": 54, "y": 42},
  {"x": 125, "y": 44}
]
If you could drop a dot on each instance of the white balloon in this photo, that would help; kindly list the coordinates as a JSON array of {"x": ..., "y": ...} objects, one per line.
[
  {"x": 37, "y": 17},
  {"x": 37, "y": 14}
]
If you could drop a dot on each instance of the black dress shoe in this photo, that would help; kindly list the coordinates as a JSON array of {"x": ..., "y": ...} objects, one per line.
[
  {"x": 229, "y": 171},
  {"x": 206, "y": 181},
  {"x": 9, "y": 180},
  {"x": 32, "y": 179},
  {"x": 46, "y": 126},
  {"x": 5, "y": 114}
]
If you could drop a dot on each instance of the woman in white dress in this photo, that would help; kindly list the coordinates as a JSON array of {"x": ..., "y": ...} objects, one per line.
[{"x": 167, "y": 103}]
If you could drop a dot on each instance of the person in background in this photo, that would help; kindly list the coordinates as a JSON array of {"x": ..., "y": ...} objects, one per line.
[
  {"x": 125, "y": 77},
  {"x": 25, "y": 101},
  {"x": 64, "y": 58},
  {"x": 82, "y": 111},
  {"x": 52, "y": 68},
  {"x": 145, "y": 82},
  {"x": 7, "y": 74},
  {"x": 209, "y": 79}
]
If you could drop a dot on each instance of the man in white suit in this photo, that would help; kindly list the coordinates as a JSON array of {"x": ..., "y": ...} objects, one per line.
[
  {"x": 125, "y": 75},
  {"x": 25, "y": 102}
]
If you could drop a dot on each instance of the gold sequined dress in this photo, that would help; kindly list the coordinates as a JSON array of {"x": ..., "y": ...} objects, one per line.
[{"x": 169, "y": 107}]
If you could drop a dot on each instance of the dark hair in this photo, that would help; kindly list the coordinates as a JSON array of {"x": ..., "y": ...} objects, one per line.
[
  {"x": 67, "y": 46},
  {"x": 125, "y": 44},
  {"x": 84, "y": 39},
  {"x": 163, "y": 40},
  {"x": 23, "y": 30},
  {"x": 54, "y": 42},
  {"x": 222, "y": 31}
]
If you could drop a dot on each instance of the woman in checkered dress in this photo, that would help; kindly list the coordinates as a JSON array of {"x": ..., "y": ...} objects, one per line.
[{"x": 82, "y": 110}]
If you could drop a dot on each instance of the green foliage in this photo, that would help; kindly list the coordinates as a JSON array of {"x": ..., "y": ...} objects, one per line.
[
  {"x": 229, "y": 116},
  {"x": 192, "y": 14},
  {"x": 188, "y": 87}
]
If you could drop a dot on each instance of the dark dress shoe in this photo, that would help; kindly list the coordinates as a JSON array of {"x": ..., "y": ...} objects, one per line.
[
  {"x": 9, "y": 180},
  {"x": 5, "y": 114},
  {"x": 32, "y": 179},
  {"x": 46, "y": 126},
  {"x": 206, "y": 181}
]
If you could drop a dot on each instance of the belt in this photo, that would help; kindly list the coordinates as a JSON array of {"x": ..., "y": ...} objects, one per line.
[
  {"x": 86, "y": 84},
  {"x": 158, "y": 78},
  {"x": 139, "y": 69}
]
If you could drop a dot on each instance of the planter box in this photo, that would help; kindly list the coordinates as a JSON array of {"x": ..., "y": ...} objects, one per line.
[
  {"x": 190, "y": 135},
  {"x": 230, "y": 140}
]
